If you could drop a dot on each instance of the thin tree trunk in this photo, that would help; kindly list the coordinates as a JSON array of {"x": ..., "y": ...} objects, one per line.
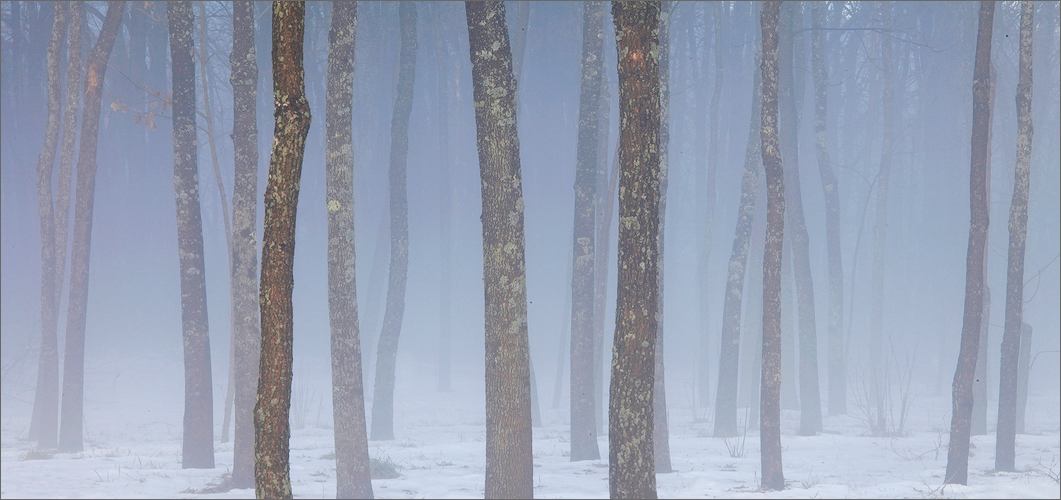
[
  {"x": 600, "y": 287},
  {"x": 387, "y": 353},
  {"x": 770, "y": 395},
  {"x": 446, "y": 215},
  {"x": 961, "y": 411},
  {"x": 631, "y": 423},
  {"x": 978, "y": 422},
  {"x": 1023, "y": 367},
  {"x": 660, "y": 430},
  {"x": 272, "y": 429},
  {"x": 44, "y": 423},
  {"x": 247, "y": 328},
  {"x": 70, "y": 426},
  {"x": 74, "y": 70},
  {"x": 831, "y": 188},
  {"x": 509, "y": 471},
  {"x": 1005, "y": 441}
]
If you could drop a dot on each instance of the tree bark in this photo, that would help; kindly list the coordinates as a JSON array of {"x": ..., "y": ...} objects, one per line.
[
  {"x": 583, "y": 403},
  {"x": 198, "y": 387},
  {"x": 387, "y": 348},
  {"x": 630, "y": 431},
  {"x": 770, "y": 394},
  {"x": 831, "y": 188},
  {"x": 509, "y": 472},
  {"x": 70, "y": 426},
  {"x": 272, "y": 429},
  {"x": 1005, "y": 441},
  {"x": 1023, "y": 367},
  {"x": 244, "y": 82},
  {"x": 962, "y": 405},
  {"x": 352, "y": 473},
  {"x": 44, "y": 423}
]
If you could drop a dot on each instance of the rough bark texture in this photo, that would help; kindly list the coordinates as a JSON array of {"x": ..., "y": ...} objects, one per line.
[
  {"x": 272, "y": 429},
  {"x": 44, "y": 423},
  {"x": 831, "y": 188},
  {"x": 352, "y": 473},
  {"x": 1018, "y": 234},
  {"x": 770, "y": 395},
  {"x": 791, "y": 46},
  {"x": 583, "y": 421},
  {"x": 70, "y": 428},
  {"x": 387, "y": 349},
  {"x": 729, "y": 351},
  {"x": 198, "y": 386},
  {"x": 75, "y": 17},
  {"x": 962, "y": 407},
  {"x": 630, "y": 409},
  {"x": 244, "y": 82},
  {"x": 509, "y": 472},
  {"x": 660, "y": 429}
]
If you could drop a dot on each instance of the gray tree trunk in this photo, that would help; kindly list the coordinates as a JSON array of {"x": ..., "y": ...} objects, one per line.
[{"x": 661, "y": 431}]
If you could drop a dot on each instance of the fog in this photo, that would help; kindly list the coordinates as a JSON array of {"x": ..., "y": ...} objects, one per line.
[{"x": 134, "y": 311}]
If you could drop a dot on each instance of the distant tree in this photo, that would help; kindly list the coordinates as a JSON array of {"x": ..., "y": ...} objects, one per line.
[
  {"x": 44, "y": 423},
  {"x": 70, "y": 426},
  {"x": 583, "y": 402},
  {"x": 770, "y": 394},
  {"x": 961, "y": 411},
  {"x": 1005, "y": 446},
  {"x": 660, "y": 429},
  {"x": 445, "y": 189},
  {"x": 247, "y": 336},
  {"x": 387, "y": 353},
  {"x": 630, "y": 419},
  {"x": 509, "y": 463},
  {"x": 352, "y": 473},
  {"x": 1023, "y": 367},
  {"x": 198, "y": 386},
  {"x": 272, "y": 429}
]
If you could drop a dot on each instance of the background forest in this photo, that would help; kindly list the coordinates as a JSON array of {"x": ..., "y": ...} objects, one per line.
[{"x": 872, "y": 288}]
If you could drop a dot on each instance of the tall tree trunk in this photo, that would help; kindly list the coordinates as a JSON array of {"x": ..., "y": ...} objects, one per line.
[
  {"x": 978, "y": 421},
  {"x": 831, "y": 188},
  {"x": 387, "y": 353},
  {"x": 445, "y": 213},
  {"x": 660, "y": 430},
  {"x": 509, "y": 471},
  {"x": 729, "y": 351},
  {"x": 1005, "y": 446},
  {"x": 962, "y": 407},
  {"x": 348, "y": 399},
  {"x": 272, "y": 429},
  {"x": 70, "y": 428},
  {"x": 244, "y": 82},
  {"x": 1023, "y": 367},
  {"x": 630, "y": 420},
  {"x": 810, "y": 415},
  {"x": 605, "y": 208},
  {"x": 770, "y": 394},
  {"x": 583, "y": 403}
]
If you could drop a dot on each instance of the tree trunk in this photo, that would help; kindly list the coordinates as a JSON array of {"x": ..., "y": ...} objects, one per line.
[
  {"x": 962, "y": 407},
  {"x": 244, "y": 82},
  {"x": 198, "y": 387},
  {"x": 348, "y": 399},
  {"x": 583, "y": 403},
  {"x": 631, "y": 423},
  {"x": 272, "y": 429},
  {"x": 729, "y": 351},
  {"x": 445, "y": 216},
  {"x": 605, "y": 206},
  {"x": 1005, "y": 441},
  {"x": 509, "y": 471},
  {"x": 660, "y": 430},
  {"x": 1023, "y": 367},
  {"x": 831, "y": 188},
  {"x": 978, "y": 421},
  {"x": 70, "y": 427},
  {"x": 387, "y": 349},
  {"x": 770, "y": 394},
  {"x": 44, "y": 423}
]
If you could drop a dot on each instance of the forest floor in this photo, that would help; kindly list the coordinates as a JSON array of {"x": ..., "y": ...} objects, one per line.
[{"x": 133, "y": 447}]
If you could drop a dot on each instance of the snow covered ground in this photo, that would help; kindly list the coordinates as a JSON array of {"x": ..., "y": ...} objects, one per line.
[{"x": 134, "y": 406}]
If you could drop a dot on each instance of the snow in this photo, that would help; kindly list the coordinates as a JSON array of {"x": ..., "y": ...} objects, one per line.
[{"x": 133, "y": 447}]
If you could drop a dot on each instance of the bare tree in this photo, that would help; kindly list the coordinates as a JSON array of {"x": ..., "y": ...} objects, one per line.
[
  {"x": 630, "y": 419},
  {"x": 352, "y": 473},
  {"x": 660, "y": 429},
  {"x": 387, "y": 352},
  {"x": 1005, "y": 446},
  {"x": 770, "y": 394},
  {"x": 272, "y": 429},
  {"x": 509, "y": 465},
  {"x": 70, "y": 426},
  {"x": 962, "y": 407},
  {"x": 583, "y": 402},
  {"x": 44, "y": 423},
  {"x": 198, "y": 387}
]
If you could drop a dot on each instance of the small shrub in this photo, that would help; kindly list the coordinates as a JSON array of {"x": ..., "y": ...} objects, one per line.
[
  {"x": 383, "y": 468},
  {"x": 38, "y": 454}
]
